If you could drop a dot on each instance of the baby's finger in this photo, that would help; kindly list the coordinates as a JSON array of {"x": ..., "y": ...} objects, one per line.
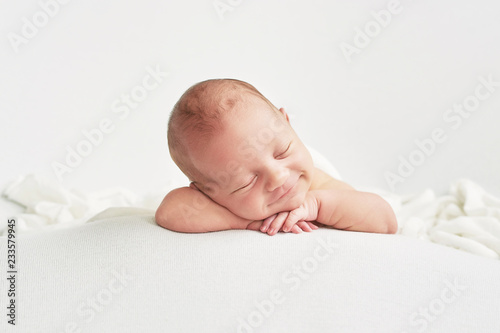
[
  {"x": 296, "y": 229},
  {"x": 312, "y": 225},
  {"x": 304, "y": 226},
  {"x": 267, "y": 222},
  {"x": 294, "y": 216},
  {"x": 277, "y": 223},
  {"x": 255, "y": 225}
]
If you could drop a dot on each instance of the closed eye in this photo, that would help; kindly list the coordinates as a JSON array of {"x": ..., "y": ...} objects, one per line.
[
  {"x": 247, "y": 185},
  {"x": 284, "y": 152}
]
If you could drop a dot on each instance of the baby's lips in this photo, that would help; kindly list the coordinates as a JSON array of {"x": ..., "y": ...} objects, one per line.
[{"x": 288, "y": 187}]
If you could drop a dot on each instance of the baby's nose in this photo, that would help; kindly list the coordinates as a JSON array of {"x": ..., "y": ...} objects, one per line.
[{"x": 277, "y": 178}]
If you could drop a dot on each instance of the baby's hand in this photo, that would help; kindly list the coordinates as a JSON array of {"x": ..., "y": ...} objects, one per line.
[
  {"x": 288, "y": 221},
  {"x": 308, "y": 211},
  {"x": 273, "y": 224},
  {"x": 298, "y": 228},
  {"x": 296, "y": 221}
]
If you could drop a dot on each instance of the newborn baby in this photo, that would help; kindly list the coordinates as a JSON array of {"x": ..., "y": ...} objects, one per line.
[{"x": 249, "y": 170}]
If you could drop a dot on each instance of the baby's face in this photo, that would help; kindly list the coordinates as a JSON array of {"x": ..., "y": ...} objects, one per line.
[{"x": 257, "y": 163}]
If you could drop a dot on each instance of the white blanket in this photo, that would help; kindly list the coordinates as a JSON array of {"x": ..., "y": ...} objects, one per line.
[
  {"x": 466, "y": 218},
  {"x": 49, "y": 205}
]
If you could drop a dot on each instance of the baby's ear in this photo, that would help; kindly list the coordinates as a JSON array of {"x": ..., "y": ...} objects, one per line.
[{"x": 282, "y": 110}]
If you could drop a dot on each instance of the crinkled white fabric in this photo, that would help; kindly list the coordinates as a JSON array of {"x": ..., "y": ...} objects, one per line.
[
  {"x": 49, "y": 205},
  {"x": 466, "y": 218}
]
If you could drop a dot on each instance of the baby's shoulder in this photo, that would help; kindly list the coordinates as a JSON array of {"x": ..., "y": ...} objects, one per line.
[
  {"x": 319, "y": 178},
  {"x": 322, "y": 180}
]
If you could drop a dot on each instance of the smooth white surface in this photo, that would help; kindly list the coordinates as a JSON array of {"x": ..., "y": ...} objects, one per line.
[
  {"x": 362, "y": 115},
  {"x": 328, "y": 281}
]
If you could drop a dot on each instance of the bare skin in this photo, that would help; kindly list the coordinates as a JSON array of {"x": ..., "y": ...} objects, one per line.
[{"x": 262, "y": 178}]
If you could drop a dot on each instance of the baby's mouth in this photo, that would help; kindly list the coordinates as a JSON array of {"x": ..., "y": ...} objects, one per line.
[
  {"x": 288, "y": 188},
  {"x": 286, "y": 192}
]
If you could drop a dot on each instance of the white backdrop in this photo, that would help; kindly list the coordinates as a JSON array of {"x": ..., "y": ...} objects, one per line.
[{"x": 362, "y": 80}]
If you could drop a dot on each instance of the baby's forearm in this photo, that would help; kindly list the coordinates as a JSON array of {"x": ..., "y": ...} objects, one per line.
[
  {"x": 188, "y": 210},
  {"x": 355, "y": 211}
]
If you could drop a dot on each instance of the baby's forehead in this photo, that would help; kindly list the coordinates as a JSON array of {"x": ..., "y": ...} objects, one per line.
[{"x": 231, "y": 151}]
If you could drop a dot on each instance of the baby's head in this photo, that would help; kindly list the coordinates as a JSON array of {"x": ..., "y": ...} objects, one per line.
[{"x": 239, "y": 149}]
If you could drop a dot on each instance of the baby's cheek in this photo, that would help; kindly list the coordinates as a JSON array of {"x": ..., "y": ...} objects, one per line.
[
  {"x": 255, "y": 207},
  {"x": 243, "y": 207}
]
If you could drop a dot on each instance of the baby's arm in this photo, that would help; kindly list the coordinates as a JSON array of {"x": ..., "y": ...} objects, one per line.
[
  {"x": 187, "y": 209},
  {"x": 336, "y": 204},
  {"x": 352, "y": 210}
]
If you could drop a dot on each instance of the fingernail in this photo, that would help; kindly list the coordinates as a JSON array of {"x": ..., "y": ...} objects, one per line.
[{"x": 263, "y": 229}]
